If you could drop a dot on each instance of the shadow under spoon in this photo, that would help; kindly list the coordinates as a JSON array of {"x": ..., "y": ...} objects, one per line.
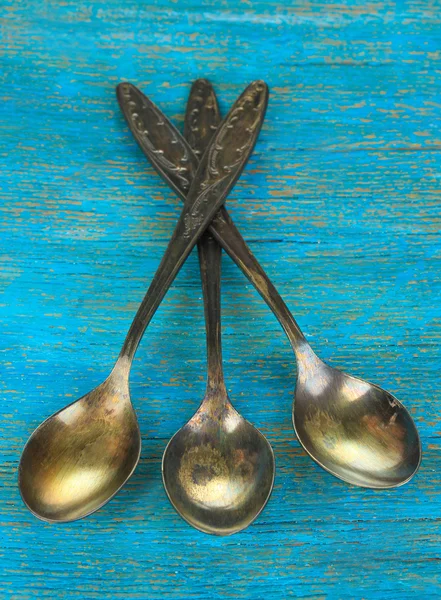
[
  {"x": 354, "y": 429},
  {"x": 77, "y": 459},
  {"x": 218, "y": 470}
]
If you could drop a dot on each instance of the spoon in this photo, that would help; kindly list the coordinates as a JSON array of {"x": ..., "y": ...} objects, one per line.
[
  {"x": 218, "y": 470},
  {"x": 78, "y": 458},
  {"x": 354, "y": 429}
]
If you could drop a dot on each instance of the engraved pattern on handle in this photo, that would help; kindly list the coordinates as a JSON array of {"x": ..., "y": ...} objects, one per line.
[
  {"x": 220, "y": 164},
  {"x": 168, "y": 151},
  {"x": 237, "y": 132},
  {"x": 230, "y": 148},
  {"x": 230, "y": 238},
  {"x": 202, "y": 116},
  {"x": 202, "y": 211},
  {"x": 201, "y": 120}
]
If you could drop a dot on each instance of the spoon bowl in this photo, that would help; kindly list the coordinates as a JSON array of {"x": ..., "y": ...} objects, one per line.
[
  {"x": 355, "y": 430},
  {"x": 79, "y": 458},
  {"x": 218, "y": 470}
]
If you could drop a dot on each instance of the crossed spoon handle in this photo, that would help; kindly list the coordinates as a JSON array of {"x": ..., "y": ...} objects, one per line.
[
  {"x": 172, "y": 156},
  {"x": 215, "y": 175}
]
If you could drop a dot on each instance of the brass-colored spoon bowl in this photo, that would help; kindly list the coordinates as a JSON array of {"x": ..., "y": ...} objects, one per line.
[
  {"x": 218, "y": 470},
  {"x": 81, "y": 456},
  {"x": 354, "y": 429}
]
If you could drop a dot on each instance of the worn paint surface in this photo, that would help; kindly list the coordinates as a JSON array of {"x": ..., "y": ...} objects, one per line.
[{"x": 340, "y": 202}]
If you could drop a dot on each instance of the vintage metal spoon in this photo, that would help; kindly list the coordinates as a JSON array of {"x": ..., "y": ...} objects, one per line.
[
  {"x": 218, "y": 470},
  {"x": 355, "y": 430},
  {"x": 82, "y": 455}
]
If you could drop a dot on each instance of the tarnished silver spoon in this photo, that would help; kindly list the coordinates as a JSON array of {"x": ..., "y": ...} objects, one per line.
[
  {"x": 80, "y": 457},
  {"x": 354, "y": 429},
  {"x": 218, "y": 470}
]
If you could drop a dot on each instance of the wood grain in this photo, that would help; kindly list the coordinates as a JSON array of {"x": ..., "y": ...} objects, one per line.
[{"x": 340, "y": 203}]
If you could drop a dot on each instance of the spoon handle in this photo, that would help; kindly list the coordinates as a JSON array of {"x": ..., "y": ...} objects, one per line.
[
  {"x": 216, "y": 174},
  {"x": 202, "y": 118},
  {"x": 170, "y": 154}
]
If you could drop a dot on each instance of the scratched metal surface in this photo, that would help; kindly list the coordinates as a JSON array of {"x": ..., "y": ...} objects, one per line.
[{"x": 341, "y": 204}]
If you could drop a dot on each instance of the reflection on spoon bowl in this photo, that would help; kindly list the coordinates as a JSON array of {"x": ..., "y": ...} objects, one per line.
[
  {"x": 218, "y": 470},
  {"x": 355, "y": 430},
  {"x": 81, "y": 456}
]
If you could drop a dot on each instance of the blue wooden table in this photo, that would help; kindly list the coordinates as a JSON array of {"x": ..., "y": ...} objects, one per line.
[{"x": 341, "y": 204}]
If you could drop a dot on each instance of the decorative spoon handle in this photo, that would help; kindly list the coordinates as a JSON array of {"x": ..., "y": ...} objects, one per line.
[
  {"x": 202, "y": 118},
  {"x": 216, "y": 174},
  {"x": 201, "y": 121},
  {"x": 170, "y": 154}
]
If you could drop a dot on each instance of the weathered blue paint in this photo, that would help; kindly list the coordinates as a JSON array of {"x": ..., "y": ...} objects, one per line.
[{"x": 340, "y": 202}]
